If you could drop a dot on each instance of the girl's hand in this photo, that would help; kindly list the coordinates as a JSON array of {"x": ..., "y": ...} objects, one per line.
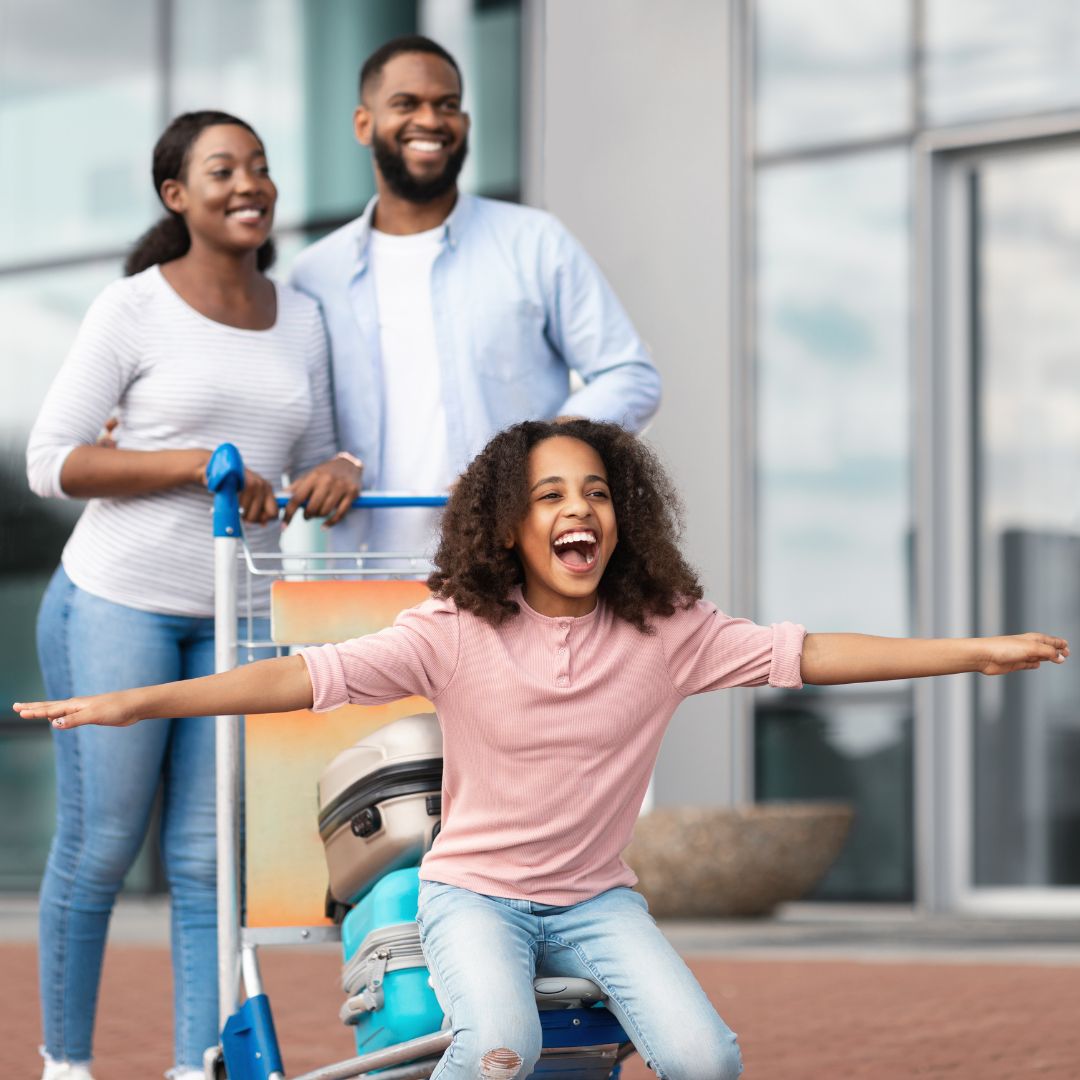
[
  {"x": 109, "y": 710},
  {"x": 1020, "y": 652},
  {"x": 327, "y": 491}
]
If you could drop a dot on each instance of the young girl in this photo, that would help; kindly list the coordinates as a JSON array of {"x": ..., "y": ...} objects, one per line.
[{"x": 564, "y": 631}]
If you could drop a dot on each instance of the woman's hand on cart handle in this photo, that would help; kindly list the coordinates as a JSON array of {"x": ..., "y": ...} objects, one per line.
[
  {"x": 256, "y": 498},
  {"x": 326, "y": 491},
  {"x": 258, "y": 504},
  {"x": 279, "y": 685}
]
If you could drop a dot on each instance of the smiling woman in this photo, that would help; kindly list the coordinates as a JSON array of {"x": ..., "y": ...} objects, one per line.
[{"x": 193, "y": 348}]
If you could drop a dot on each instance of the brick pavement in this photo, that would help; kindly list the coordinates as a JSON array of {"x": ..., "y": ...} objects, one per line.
[{"x": 798, "y": 1018}]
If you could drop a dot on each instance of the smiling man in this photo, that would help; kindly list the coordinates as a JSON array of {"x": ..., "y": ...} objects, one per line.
[{"x": 450, "y": 316}]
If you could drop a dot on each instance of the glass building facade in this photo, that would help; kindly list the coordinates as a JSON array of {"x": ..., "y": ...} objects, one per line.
[{"x": 913, "y": 176}]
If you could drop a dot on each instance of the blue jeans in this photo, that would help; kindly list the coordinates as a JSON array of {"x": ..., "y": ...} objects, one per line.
[
  {"x": 106, "y": 780},
  {"x": 484, "y": 951}
]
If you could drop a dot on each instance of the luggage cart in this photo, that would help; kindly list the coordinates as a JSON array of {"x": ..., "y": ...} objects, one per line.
[{"x": 582, "y": 1040}]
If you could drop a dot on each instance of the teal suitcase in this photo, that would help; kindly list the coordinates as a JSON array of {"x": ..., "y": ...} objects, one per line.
[{"x": 385, "y": 977}]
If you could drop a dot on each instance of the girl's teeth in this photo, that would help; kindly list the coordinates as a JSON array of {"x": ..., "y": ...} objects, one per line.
[{"x": 570, "y": 538}]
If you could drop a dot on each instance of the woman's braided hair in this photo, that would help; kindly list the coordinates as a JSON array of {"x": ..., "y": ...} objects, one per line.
[{"x": 647, "y": 574}]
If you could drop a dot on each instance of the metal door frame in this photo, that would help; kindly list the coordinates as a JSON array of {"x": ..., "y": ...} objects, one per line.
[{"x": 942, "y": 452}]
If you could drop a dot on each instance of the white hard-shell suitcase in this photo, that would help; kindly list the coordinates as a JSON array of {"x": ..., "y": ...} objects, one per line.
[{"x": 380, "y": 806}]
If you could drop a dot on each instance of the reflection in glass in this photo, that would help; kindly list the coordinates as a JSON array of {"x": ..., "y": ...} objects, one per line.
[
  {"x": 813, "y": 747},
  {"x": 1027, "y": 726},
  {"x": 80, "y": 100},
  {"x": 485, "y": 39},
  {"x": 834, "y": 514},
  {"x": 40, "y": 313},
  {"x": 829, "y": 71},
  {"x": 246, "y": 58},
  {"x": 26, "y": 805},
  {"x": 987, "y": 58}
]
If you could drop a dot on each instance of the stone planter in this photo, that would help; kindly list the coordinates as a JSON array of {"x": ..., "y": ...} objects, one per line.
[{"x": 718, "y": 862}]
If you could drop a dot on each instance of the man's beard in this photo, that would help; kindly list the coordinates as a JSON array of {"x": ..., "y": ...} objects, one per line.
[{"x": 395, "y": 172}]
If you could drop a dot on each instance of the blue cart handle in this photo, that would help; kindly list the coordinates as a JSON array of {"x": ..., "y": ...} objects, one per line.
[
  {"x": 225, "y": 478},
  {"x": 372, "y": 499}
]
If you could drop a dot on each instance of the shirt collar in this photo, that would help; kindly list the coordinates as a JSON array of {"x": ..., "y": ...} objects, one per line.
[
  {"x": 453, "y": 227},
  {"x": 517, "y": 594}
]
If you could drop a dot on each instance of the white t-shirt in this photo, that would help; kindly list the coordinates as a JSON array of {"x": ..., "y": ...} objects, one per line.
[
  {"x": 415, "y": 450},
  {"x": 178, "y": 380}
]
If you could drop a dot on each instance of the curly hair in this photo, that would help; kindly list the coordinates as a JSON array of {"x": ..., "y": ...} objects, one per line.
[{"x": 647, "y": 574}]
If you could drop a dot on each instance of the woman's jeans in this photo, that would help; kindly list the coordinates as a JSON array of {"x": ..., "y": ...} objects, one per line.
[
  {"x": 484, "y": 951},
  {"x": 106, "y": 780}
]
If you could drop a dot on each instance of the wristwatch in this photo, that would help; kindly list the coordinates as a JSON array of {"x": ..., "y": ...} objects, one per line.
[{"x": 352, "y": 459}]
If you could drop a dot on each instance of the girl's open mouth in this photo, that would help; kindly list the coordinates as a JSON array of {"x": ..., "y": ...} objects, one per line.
[{"x": 577, "y": 550}]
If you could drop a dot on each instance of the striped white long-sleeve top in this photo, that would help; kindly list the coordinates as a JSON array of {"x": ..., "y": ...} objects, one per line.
[
  {"x": 178, "y": 380},
  {"x": 551, "y": 727}
]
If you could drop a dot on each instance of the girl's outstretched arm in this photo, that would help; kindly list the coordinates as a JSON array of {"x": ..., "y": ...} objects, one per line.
[
  {"x": 278, "y": 685},
  {"x": 828, "y": 659}
]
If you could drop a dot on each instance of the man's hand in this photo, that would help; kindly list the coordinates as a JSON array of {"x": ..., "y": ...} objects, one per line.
[
  {"x": 107, "y": 438},
  {"x": 327, "y": 491},
  {"x": 1020, "y": 652},
  {"x": 109, "y": 710}
]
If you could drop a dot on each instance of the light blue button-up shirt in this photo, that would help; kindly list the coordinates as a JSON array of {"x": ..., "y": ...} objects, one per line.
[{"x": 517, "y": 305}]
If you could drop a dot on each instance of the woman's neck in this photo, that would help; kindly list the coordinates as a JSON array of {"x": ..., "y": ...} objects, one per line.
[{"x": 223, "y": 286}]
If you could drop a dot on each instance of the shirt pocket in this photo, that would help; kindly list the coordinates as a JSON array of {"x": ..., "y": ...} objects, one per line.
[{"x": 509, "y": 343}]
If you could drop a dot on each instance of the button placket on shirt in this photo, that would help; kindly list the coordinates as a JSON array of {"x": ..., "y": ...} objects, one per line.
[{"x": 562, "y": 654}]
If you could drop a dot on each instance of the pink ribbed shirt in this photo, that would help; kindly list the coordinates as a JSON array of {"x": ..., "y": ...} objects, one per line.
[{"x": 551, "y": 727}]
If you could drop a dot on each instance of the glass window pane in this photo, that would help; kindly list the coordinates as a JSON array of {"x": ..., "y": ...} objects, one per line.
[
  {"x": 485, "y": 38},
  {"x": 989, "y": 58},
  {"x": 814, "y": 747},
  {"x": 40, "y": 313},
  {"x": 289, "y": 68},
  {"x": 834, "y": 515},
  {"x": 1027, "y": 554},
  {"x": 26, "y": 805},
  {"x": 829, "y": 71},
  {"x": 80, "y": 102}
]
